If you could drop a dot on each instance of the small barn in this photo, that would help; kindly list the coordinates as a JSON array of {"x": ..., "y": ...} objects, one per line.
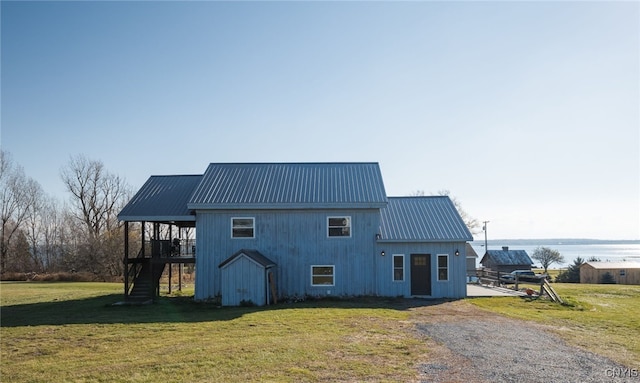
[
  {"x": 624, "y": 273},
  {"x": 505, "y": 260},
  {"x": 245, "y": 278}
]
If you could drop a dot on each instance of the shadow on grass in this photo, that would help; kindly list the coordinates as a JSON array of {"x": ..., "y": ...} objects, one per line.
[{"x": 100, "y": 310}]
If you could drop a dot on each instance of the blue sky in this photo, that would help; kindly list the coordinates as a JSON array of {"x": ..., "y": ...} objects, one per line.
[{"x": 528, "y": 112}]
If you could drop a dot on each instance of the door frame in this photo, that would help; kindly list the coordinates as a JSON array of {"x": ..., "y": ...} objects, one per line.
[{"x": 420, "y": 275}]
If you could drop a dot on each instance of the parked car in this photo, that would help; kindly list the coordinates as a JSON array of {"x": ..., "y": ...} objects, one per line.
[{"x": 523, "y": 275}]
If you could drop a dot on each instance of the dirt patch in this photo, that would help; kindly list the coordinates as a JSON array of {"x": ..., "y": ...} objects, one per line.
[{"x": 468, "y": 344}]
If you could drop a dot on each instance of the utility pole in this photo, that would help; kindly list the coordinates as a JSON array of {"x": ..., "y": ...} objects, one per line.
[{"x": 484, "y": 228}]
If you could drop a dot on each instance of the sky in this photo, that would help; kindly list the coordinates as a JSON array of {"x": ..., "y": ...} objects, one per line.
[{"x": 527, "y": 112}]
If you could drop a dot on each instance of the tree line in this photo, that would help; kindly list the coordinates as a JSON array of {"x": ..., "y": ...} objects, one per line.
[{"x": 41, "y": 234}]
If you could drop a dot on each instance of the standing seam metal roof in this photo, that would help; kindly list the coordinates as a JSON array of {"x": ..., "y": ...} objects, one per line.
[
  {"x": 413, "y": 219},
  {"x": 253, "y": 254},
  {"x": 162, "y": 198},
  {"x": 303, "y": 185},
  {"x": 507, "y": 257}
]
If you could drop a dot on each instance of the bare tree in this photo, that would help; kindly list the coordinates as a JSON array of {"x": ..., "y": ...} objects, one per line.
[
  {"x": 547, "y": 256},
  {"x": 96, "y": 197},
  {"x": 33, "y": 223},
  {"x": 15, "y": 200},
  {"x": 472, "y": 223}
]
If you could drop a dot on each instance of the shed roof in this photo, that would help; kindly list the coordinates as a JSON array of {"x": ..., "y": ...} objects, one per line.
[
  {"x": 612, "y": 265},
  {"x": 162, "y": 199},
  {"x": 470, "y": 251},
  {"x": 422, "y": 219},
  {"x": 507, "y": 257},
  {"x": 252, "y": 254},
  {"x": 290, "y": 185}
]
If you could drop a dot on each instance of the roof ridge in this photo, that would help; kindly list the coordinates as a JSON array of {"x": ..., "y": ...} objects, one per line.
[{"x": 298, "y": 163}]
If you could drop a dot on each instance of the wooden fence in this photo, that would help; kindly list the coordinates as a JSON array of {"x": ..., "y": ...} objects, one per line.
[{"x": 496, "y": 278}]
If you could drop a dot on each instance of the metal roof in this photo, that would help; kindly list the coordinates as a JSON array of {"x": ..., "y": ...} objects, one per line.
[
  {"x": 422, "y": 219},
  {"x": 254, "y": 255},
  {"x": 613, "y": 265},
  {"x": 507, "y": 257},
  {"x": 290, "y": 185},
  {"x": 162, "y": 199}
]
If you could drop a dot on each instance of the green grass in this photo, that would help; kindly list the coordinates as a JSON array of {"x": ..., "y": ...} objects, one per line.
[
  {"x": 553, "y": 273},
  {"x": 70, "y": 332},
  {"x": 602, "y": 318}
]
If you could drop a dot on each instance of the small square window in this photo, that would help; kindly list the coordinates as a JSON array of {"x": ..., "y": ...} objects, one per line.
[
  {"x": 322, "y": 275},
  {"x": 339, "y": 226},
  {"x": 242, "y": 227}
]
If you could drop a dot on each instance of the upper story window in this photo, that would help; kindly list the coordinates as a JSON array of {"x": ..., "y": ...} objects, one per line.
[
  {"x": 339, "y": 226},
  {"x": 243, "y": 227}
]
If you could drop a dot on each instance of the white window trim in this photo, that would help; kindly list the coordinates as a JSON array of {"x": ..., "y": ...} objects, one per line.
[
  {"x": 348, "y": 217},
  {"x": 393, "y": 268},
  {"x": 253, "y": 219},
  {"x": 438, "y": 267},
  {"x": 333, "y": 275}
]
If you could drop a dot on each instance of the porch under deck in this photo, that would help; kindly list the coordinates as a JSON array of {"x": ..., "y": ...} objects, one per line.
[
  {"x": 144, "y": 272},
  {"x": 159, "y": 207}
]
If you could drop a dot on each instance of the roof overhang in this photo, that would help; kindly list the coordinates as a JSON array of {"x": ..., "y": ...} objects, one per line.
[{"x": 185, "y": 221}]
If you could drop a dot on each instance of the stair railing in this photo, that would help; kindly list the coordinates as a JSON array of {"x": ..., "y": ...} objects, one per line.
[{"x": 133, "y": 270}]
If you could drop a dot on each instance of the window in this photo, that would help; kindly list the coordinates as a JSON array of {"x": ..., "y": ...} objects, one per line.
[
  {"x": 242, "y": 227},
  {"x": 339, "y": 226},
  {"x": 443, "y": 267},
  {"x": 398, "y": 267},
  {"x": 623, "y": 272},
  {"x": 322, "y": 275}
]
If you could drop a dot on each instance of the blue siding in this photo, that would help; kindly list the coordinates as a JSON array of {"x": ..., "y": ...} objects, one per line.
[
  {"x": 294, "y": 240},
  {"x": 455, "y": 287}
]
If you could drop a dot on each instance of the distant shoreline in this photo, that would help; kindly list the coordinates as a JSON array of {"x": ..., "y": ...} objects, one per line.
[{"x": 560, "y": 241}]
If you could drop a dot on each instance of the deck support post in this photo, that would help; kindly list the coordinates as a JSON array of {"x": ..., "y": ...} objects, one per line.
[
  {"x": 126, "y": 259},
  {"x": 180, "y": 265},
  {"x": 171, "y": 255}
]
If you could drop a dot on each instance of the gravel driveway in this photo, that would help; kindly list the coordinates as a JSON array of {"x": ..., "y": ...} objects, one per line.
[{"x": 470, "y": 345}]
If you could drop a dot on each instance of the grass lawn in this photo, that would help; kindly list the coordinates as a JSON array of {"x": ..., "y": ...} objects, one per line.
[
  {"x": 553, "y": 273},
  {"x": 602, "y": 318},
  {"x": 70, "y": 332}
]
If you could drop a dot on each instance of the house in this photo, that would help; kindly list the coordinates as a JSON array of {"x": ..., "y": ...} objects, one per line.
[
  {"x": 624, "y": 273},
  {"x": 472, "y": 258},
  {"x": 505, "y": 260},
  {"x": 301, "y": 229}
]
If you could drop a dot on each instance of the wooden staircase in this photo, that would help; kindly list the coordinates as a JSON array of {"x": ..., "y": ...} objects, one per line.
[{"x": 144, "y": 284}]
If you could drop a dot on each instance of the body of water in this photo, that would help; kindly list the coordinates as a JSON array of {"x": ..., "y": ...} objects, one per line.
[{"x": 609, "y": 251}]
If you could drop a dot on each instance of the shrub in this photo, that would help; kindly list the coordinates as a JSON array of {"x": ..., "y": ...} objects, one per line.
[
  {"x": 247, "y": 303},
  {"x": 572, "y": 273},
  {"x": 607, "y": 278}
]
